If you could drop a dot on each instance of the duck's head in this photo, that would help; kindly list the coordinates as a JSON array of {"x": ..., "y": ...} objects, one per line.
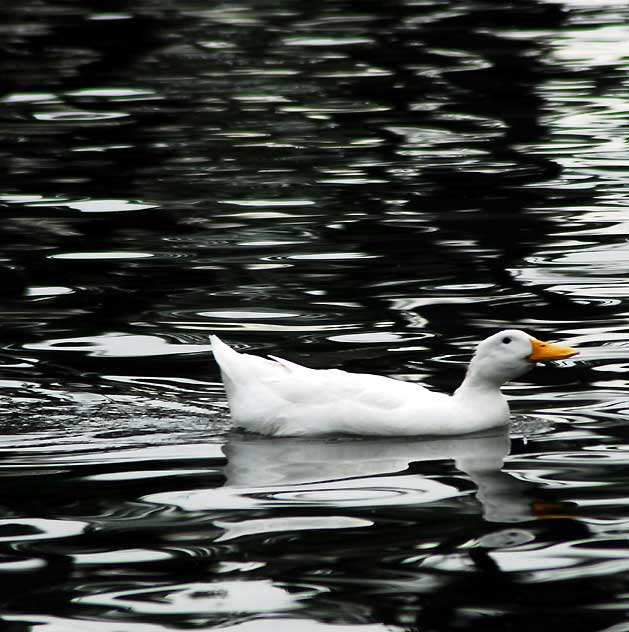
[{"x": 512, "y": 352}]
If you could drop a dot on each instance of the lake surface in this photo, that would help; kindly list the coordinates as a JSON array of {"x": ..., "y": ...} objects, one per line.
[{"x": 369, "y": 186}]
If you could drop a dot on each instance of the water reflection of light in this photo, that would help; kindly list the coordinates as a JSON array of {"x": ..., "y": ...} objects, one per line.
[
  {"x": 202, "y": 598},
  {"x": 25, "y": 529},
  {"x": 89, "y": 256},
  {"x": 233, "y": 529},
  {"x": 111, "y": 92},
  {"x": 48, "y": 291},
  {"x": 74, "y": 116},
  {"x": 102, "y": 206},
  {"x": 115, "y": 345},
  {"x": 600, "y": 45},
  {"x": 269, "y": 203}
]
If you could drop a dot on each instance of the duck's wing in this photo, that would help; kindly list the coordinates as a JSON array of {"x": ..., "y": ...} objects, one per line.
[
  {"x": 330, "y": 401},
  {"x": 298, "y": 384}
]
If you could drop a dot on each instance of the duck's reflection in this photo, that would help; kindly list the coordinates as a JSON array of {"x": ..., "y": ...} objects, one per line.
[{"x": 366, "y": 469}]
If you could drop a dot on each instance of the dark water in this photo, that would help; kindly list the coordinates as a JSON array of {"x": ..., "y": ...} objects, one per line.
[{"x": 372, "y": 186}]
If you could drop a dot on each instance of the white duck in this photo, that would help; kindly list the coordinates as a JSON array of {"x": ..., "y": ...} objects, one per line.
[{"x": 278, "y": 397}]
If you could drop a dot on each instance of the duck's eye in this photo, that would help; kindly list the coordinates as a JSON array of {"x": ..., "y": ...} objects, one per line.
[{"x": 506, "y": 340}]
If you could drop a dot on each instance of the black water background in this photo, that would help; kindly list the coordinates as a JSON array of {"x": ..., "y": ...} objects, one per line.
[{"x": 371, "y": 186}]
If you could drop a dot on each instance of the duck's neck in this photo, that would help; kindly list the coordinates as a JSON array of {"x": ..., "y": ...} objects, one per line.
[
  {"x": 479, "y": 399},
  {"x": 479, "y": 382}
]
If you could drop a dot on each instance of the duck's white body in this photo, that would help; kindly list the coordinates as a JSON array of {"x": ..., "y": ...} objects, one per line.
[{"x": 277, "y": 397}]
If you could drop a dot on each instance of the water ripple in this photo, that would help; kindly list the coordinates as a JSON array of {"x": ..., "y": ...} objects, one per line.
[
  {"x": 202, "y": 598},
  {"x": 17, "y": 530}
]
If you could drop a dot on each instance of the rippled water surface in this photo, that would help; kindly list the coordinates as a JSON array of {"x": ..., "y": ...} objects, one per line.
[{"x": 369, "y": 186}]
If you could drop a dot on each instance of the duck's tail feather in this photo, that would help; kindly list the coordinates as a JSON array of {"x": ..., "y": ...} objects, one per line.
[
  {"x": 239, "y": 368},
  {"x": 226, "y": 358}
]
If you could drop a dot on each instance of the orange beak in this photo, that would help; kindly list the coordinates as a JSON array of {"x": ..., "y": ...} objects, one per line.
[{"x": 548, "y": 351}]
